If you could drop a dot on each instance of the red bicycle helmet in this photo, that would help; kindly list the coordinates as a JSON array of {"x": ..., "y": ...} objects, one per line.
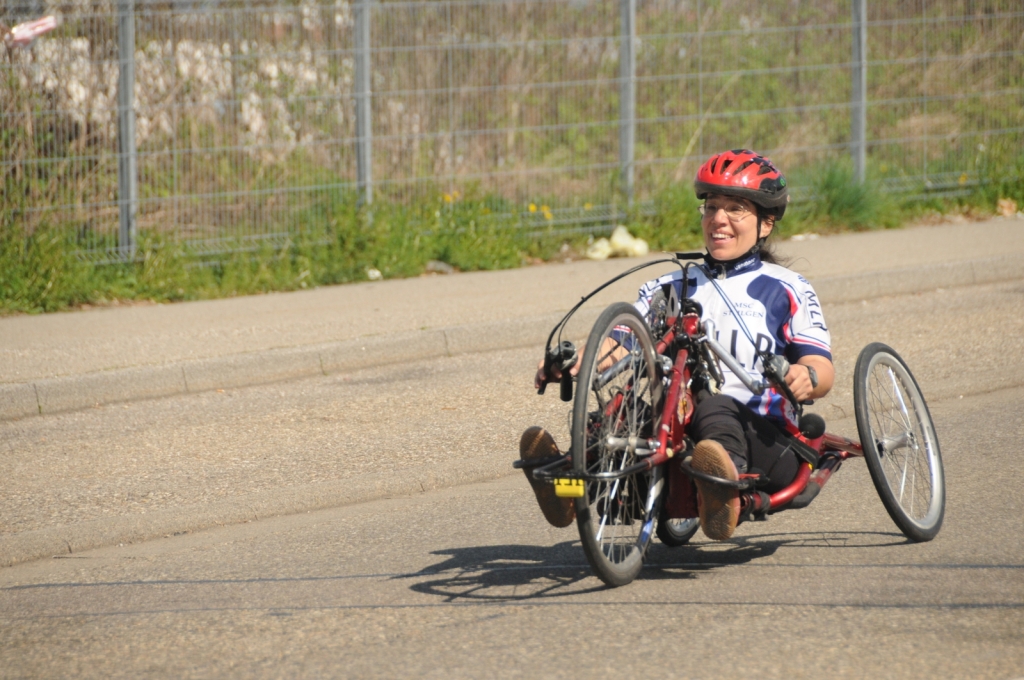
[{"x": 744, "y": 174}]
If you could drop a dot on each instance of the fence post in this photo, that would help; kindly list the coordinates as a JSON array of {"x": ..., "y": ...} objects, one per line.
[
  {"x": 127, "y": 170},
  {"x": 627, "y": 95},
  {"x": 364, "y": 131},
  {"x": 859, "y": 89}
]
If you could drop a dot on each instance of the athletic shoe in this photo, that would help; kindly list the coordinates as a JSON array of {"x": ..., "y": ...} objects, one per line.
[
  {"x": 718, "y": 505},
  {"x": 536, "y": 443}
]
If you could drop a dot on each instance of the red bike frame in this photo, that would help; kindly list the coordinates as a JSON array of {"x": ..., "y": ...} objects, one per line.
[{"x": 676, "y": 415}]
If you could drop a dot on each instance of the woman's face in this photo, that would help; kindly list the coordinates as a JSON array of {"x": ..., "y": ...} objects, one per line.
[{"x": 730, "y": 226}]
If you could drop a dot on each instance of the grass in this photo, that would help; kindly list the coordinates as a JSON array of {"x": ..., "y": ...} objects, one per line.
[
  {"x": 837, "y": 202},
  {"x": 335, "y": 242}
]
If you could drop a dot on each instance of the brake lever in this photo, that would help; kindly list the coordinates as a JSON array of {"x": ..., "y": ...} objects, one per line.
[
  {"x": 565, "y": 356},
  {"x": 548, "y": 360}
]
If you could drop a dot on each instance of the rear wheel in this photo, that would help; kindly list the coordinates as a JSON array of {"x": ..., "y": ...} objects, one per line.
[
  {"x": 613, "y": 417},
  {"x": 677, "y": 532},
  {"x": 899, "y": 441}
]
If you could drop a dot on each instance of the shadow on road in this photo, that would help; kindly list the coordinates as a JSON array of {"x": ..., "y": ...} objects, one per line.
[
  {"x": 508, "y": 573},
  {"x": 665, "y": 562}
]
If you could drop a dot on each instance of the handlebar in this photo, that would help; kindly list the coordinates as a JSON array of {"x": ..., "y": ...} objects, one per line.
[
  {"x": 756, "y": 386},
  {"x": 775, "y": 369}
]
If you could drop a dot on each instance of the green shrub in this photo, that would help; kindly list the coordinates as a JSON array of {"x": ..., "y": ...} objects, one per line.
[
  {"x": 39, "y": 270},
  {"x": 835, "y": 201},
  {"x": 999, "y": 180}
]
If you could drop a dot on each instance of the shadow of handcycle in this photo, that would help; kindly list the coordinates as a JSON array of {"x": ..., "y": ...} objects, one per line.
[{"x": 511, "y": 573}]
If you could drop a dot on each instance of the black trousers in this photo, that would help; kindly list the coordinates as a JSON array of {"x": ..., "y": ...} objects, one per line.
[{"x": 754, "y": 443}]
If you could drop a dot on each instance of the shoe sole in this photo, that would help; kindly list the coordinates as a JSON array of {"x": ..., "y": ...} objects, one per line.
[
  {"x": 719, "y": 505},
  {"x": 535, "y": 443}
]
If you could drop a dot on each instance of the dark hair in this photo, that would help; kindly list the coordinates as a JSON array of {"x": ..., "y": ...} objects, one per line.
[{"x": 767, "y": 249}]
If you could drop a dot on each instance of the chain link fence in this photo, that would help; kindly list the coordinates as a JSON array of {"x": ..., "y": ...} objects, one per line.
[{"x": 227, "y": 125}]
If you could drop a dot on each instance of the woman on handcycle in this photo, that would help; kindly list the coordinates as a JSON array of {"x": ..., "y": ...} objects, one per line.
[{"x": 737, "y": 432}]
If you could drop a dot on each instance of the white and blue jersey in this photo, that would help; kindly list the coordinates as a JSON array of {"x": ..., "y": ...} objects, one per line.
[{"x": 779, "y": 309}]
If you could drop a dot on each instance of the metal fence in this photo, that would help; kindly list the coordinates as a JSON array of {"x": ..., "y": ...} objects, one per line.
[{"x": 230, "y": 124}]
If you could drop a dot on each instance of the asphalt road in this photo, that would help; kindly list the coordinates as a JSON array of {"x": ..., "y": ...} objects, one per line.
[{"x": 469, "y": 581}]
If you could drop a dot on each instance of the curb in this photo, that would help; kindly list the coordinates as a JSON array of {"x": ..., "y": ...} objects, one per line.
[{"x": 55, "y": 395}]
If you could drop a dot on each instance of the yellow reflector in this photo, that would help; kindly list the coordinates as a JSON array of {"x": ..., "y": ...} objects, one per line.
[{"x": 569, "y": 488}]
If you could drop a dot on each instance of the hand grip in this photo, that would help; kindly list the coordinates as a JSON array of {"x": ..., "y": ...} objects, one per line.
[
  {"x": 565, "y": 386},
  {"x": 775, "y": 369},
  {"x": 566, "y": 360}
]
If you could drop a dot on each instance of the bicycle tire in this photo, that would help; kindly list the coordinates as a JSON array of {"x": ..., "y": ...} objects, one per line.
[
  {"x": 616, "y": 400},
  {"x": 899, "y": 442},
  {"x": 677, "y": 532}
]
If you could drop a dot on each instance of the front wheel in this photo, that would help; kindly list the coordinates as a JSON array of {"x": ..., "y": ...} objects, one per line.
[
  {"x": 899, "y": 441},
  {"x": 613, "y": 417}
]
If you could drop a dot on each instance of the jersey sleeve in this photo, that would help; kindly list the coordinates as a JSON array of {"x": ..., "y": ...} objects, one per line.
[{"x": 805, "y": 331}]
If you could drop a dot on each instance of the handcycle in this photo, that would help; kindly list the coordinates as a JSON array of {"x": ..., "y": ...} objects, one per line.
[{"x": 628, "y": 464}]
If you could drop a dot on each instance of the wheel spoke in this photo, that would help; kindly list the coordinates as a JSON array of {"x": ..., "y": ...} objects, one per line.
[
  {"x": 609, "y": 501},
  {"x": 903, "y": 478},
  {"x": 899, "y": 397}
]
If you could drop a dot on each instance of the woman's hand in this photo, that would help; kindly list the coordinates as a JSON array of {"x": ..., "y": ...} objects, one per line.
[
  {"x": 799, "y": 379},
  {"x": 611, "y": 351},
  {"x": 554, "y": 374}
]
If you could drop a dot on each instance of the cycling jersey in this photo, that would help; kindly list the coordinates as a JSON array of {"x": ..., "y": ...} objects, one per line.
[{"x": 780, "y": 310}]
